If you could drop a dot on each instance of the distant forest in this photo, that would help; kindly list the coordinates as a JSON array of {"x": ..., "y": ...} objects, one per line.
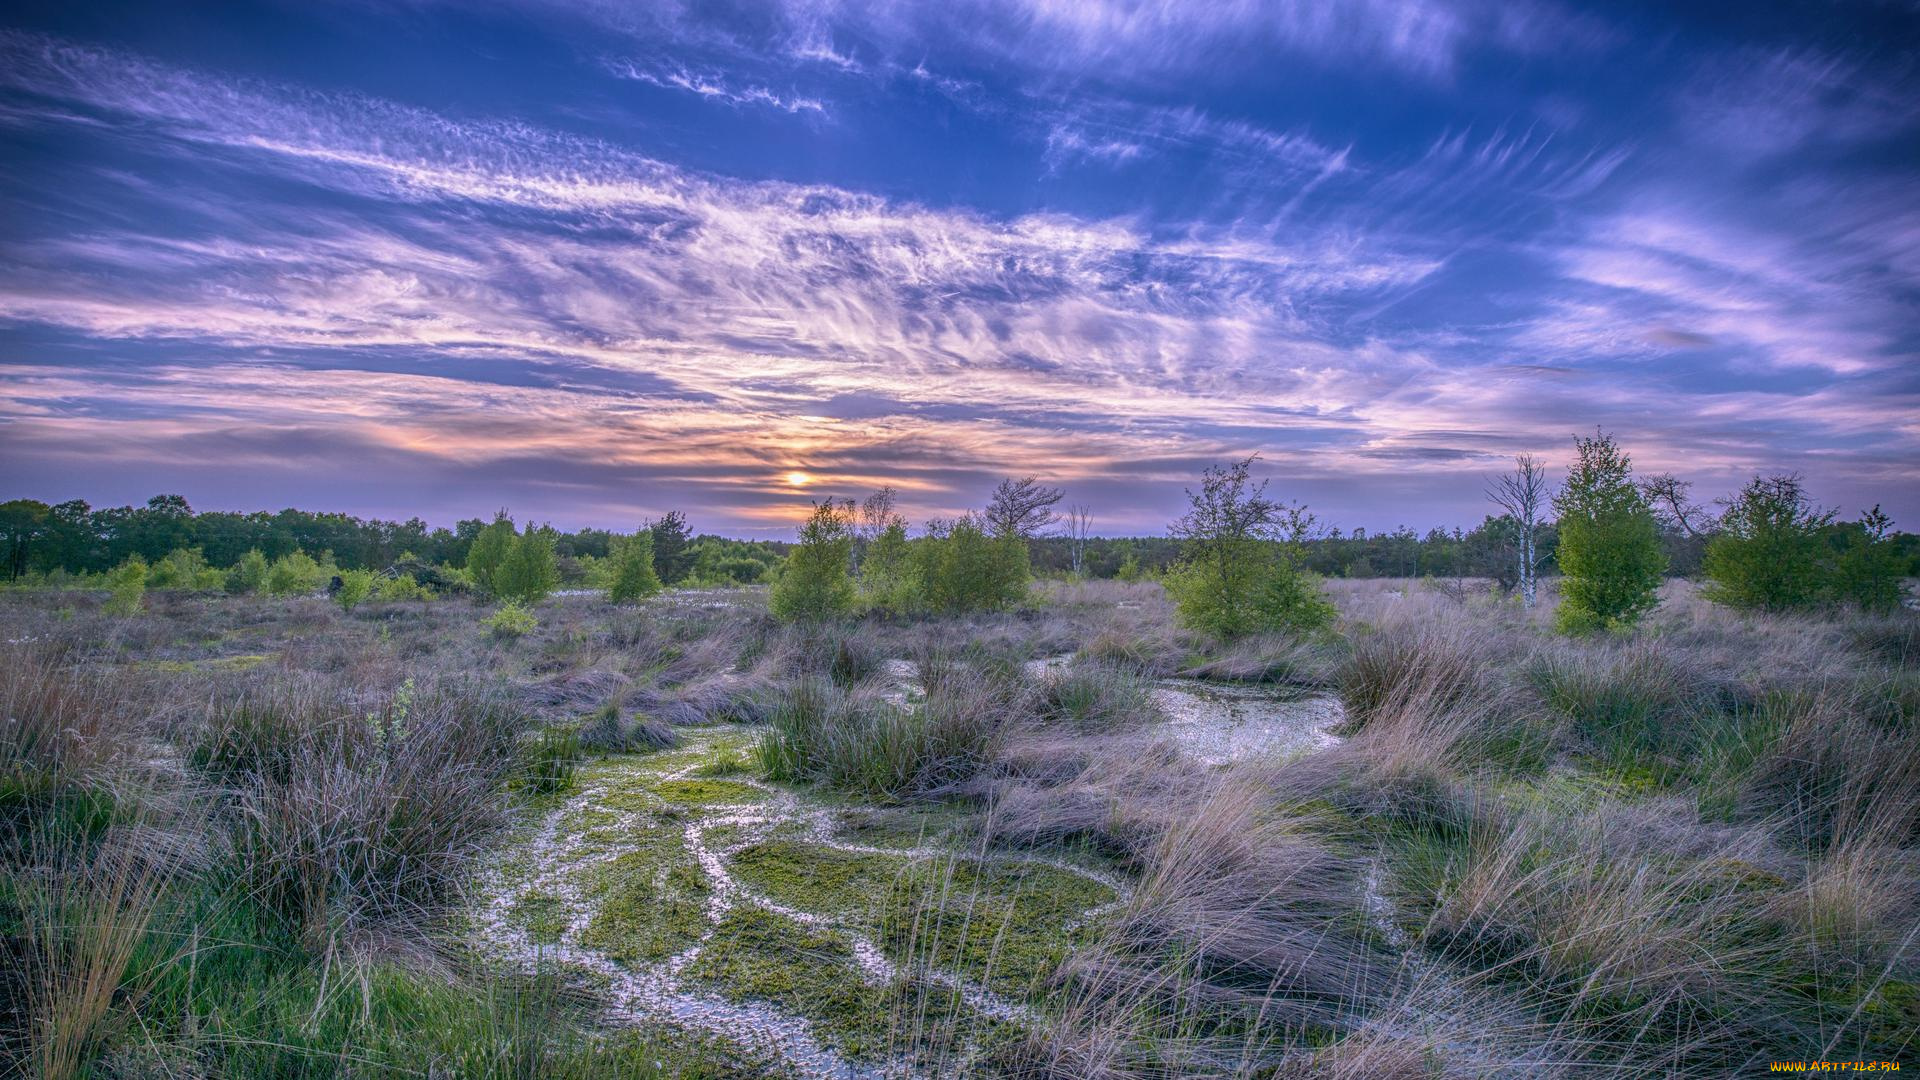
[{"x": 74, "y": 538}]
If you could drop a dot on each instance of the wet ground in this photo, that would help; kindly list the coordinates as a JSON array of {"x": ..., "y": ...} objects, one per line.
[{"x": 826, "y": 938}]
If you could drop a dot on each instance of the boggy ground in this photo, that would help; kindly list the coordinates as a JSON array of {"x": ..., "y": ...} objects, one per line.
[{"x": 265, "y": 838}]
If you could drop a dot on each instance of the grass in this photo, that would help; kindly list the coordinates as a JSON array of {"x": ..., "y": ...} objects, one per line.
[{"x": 1682, "y": 851}]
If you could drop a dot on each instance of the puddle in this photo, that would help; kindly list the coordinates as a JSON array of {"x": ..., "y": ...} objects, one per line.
[
  {"x": 632, "y": 883},
  {"x": 1222, "y": 722}
]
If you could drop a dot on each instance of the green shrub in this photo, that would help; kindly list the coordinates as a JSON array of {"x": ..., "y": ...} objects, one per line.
[
  {"x": 959, "y": 566},
  {"x": 814, "y": 584},
  {"x": 355, "y": 587},
  {"x": 1769, "y": 551},
  {"x": 399, "y": 587},
  {"x": 1239, "y": 571},
  {"x": 249, "y": 575},
  {"x": 1869, "y": 569},
  {"x": 1609, "y": 549},
  {"x": 512, "y": 620},
  {"x": 128, "y": 585},
  {"x": 887, "y": 580},
  {"x": 489, "y": 552},
  {"x": 184, "y": 568},
  {"x": 634, "y": 577},
  {"x": 530, "y": 572},
  {"x": 294, "y": 574}
]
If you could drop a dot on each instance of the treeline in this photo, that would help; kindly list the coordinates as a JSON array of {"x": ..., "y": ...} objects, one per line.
[{"x": 73, "y": 538}]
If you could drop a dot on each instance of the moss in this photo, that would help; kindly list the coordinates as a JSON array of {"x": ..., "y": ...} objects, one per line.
[
  {"x": 757, "y": 954},
  {"x": 649, "y": 902},
  {"x": 1006, "y": 925},
  {"x": 707, "y": 792},
  {"x": 820, "y": 880},
  {"x": 214, "y": 665},
  {"x": 543, "y": 914}
]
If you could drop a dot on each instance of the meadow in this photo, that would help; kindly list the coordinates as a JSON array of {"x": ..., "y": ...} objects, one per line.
[{"x": 264, "y": 837}]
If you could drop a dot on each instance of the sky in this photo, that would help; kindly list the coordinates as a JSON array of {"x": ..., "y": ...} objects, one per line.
[{"x": 592, "y": 261}]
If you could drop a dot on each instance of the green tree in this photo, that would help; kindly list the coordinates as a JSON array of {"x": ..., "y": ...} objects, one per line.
[
  {"x": 530, "y": 572},
  {"x": 887, "y": 581},
  {"x": 355, "y": 587},
  {"x": 814, "y": 584},
  {"x": 1239, "y": 570},
  {"x": 634, "y": 577},
  {"x": 671, "y": 559},
  {"x": 1769, "y": 553},
  {"x": 22, "y": 523},
  {"x": 1870, "y": 568},
  {"x": 1609, "y": 544},
  {"x": 489, "y": 552},
  {"x": 249, "y": 575}
]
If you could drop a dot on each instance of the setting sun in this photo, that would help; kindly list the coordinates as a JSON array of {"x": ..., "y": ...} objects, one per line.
[{"x": 796, "y": 478}]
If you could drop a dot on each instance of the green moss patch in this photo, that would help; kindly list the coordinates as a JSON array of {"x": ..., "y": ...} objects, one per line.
[
  {"x": 543, "y": 914},
  {"x": 1006, "y": 925},
  {"x": 649, "y": 902},
  {"x": 707, "y": 792},
  {"x": 820, "y": 880}
]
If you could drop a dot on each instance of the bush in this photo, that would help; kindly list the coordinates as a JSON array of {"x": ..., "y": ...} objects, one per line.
[
  {"x": 634, "y": 577},
  {"x": 184, "y": 568},
  {"x": 887, "y": 579},
  {"x": 128, "y": 585},
  {"x": 1239, "y": 571},
  {"x": 1768, "y": 553},
  {"x": 294, "y": 574},
  {"x": 1609, "y": 549},
  {"x": 1869, "y": 569},
  {"x": 512, "y": 620},
  {"x": 355, "y": 587},
  {"x": 530, "y": 572},
  {"x": 489, "y": 552},
  {"x": 400, "y": 587},
  {"x": 814, "y": 583},
  {"x": 958, "y": 566},
  {"x": 249, "y": 575}
]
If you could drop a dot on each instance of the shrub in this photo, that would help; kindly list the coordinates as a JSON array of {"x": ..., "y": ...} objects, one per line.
[
  {"x": 530, "y": 572},
  {"x": 1239, "y": 571},
  {"x": 400, "y": 587},
  {"x": 958, "y": 566},
  {"x": 511, "y": 620},
  {"x": 634, "y": 577},
  {"x": 1869, "y": 569},
  {"x": 294, "y": 574},
  {"x": 183, "y": 568},
  {"x": 814, "y": 583},
  {"x": 1609, "y": 547},
  {"x": 128, "y": 585},
  {"x": 489, "y": 551},
  {"x": 249, "y": 575},
  {"x": 1768, "y": 553},
  {"x": 887, "y": 580},
  {"x": 355, "y": 587}
]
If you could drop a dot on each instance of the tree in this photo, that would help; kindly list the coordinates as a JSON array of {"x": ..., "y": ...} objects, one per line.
[
  {"x": 634, "y": 577},
  {"x": 22, "y": 523},
  {"x": 1022, "y": 508},
  {"x": 1239, "y": 571},
  {"x": 1079, "y": 529},
  {"x": 1523, "y": 493},
  {"x": 1769, "y": 551},
  {"x": 1609, "y": 549},
  {"x": 886, "y": 580},
  {"x": 1869, "y": 570},
  {"x": 489, "y": 552},
  {"x": 877, "y": 514},
  {"x": 815, "y": 584},
  {"x": 529, "y": 573},
  {"x": 671, "y": 559}
]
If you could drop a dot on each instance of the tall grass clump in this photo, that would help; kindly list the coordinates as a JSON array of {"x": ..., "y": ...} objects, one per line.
[{"x": 878, "y": 748}]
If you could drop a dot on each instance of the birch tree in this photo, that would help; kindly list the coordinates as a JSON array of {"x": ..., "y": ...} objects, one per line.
[
  {"x": 1079, "y": 529},
  {"x": 1523, "y": 494}
]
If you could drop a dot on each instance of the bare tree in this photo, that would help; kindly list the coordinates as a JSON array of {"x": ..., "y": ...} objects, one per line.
[
  {"x": 1668, "y": 495},
  {"x": 1079, "y": 528},
  {"x": 1523, "y": 494},
  {"x": 1022, "y": 507}
]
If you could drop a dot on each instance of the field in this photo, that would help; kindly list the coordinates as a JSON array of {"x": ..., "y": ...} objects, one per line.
[{"x": 254, "y": 837}]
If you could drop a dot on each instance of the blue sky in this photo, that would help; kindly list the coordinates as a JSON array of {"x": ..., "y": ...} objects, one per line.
[{"x": 593, "y": 261}]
